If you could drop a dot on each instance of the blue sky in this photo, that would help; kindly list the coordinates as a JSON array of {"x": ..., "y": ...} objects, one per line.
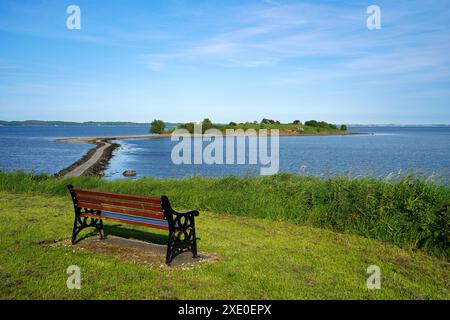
[{"x": 226, "y": 60}]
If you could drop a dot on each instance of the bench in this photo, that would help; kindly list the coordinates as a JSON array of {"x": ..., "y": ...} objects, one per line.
[{"x": 92, "y": 207}]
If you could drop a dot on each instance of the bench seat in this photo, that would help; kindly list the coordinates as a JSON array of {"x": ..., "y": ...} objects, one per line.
[{"x": 159, "y": 224}]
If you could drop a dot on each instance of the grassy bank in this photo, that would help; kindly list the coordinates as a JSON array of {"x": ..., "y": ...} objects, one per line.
[
  {"x": 256, "y": 258},
  {"x": 407, "y": 213}
]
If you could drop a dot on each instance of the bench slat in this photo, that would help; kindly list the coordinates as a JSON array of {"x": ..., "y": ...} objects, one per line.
[
  {"x": 125, "y": 219},
  {"x": 118, "y": 203},
  {"x": 131, "y": 212},
  {"x": 117, "y": 196}
]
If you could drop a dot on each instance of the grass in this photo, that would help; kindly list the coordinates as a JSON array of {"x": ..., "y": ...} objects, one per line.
[
  {"x": 257, "y": 258},
  {"x": 408, "y": 213}
]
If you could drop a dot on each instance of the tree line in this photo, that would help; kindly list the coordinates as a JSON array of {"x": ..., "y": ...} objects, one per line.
[{"x": 159, "y": 126}]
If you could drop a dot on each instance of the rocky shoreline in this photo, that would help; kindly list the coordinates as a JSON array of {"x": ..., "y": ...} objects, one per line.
[{"x": 99, "y": 167}]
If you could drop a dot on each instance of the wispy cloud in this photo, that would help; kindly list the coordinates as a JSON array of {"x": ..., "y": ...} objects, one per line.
[{"x": 273, "y": 34}]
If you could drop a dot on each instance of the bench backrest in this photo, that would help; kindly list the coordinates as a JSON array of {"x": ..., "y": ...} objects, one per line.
[{"x": 132, "y": 209}]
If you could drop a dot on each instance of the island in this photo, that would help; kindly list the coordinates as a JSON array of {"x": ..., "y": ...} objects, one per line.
[{"x": 294, "y": 128}]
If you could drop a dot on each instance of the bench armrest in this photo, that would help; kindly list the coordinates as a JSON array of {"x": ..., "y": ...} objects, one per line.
[{"x": 195, "y": 213}]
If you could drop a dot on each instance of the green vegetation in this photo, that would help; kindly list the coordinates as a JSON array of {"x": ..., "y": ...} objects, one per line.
[
  {"x": 343, "y": 127},
  {"x": 269, "y": 121},
  {"x": 256, "y": 258},
  {"x": 157, "y": 126},
  {"x": 207, "y": 124},
  {"x": 296, "y": 127},
  {"x": 408, "y": 213}
]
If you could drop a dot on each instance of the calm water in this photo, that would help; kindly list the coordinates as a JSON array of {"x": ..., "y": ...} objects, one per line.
[{"x": 425, "y": 151}]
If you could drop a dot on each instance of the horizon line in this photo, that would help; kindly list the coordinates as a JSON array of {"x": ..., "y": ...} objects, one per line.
[{"x": 178, "y": 122}]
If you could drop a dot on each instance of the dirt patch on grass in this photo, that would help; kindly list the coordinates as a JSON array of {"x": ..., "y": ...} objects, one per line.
[{"x": 136, "y": 251}]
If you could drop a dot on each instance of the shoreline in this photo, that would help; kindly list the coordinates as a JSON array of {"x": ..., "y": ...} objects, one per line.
[{"x": 99, "y": 166}]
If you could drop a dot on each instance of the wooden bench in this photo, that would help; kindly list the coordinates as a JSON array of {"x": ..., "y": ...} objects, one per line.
[{"x": 92, "y": 207}]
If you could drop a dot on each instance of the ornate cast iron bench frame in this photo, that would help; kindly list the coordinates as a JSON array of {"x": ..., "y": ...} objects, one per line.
[{"x": 92, "y": 207}]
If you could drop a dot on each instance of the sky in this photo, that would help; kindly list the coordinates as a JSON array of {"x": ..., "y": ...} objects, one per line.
[{"x": 180, "y": 60}]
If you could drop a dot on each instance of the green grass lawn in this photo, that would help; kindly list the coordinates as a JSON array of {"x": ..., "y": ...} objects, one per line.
[{"x": 257, "y": 259}]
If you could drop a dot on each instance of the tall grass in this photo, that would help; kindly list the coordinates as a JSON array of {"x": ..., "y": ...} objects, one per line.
[{"x": 409, "y": 212}]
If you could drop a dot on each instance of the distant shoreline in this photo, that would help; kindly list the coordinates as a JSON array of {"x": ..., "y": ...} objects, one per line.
[{"x": 99, "y": 166}]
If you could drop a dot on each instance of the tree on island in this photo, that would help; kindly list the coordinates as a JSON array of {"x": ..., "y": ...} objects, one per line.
[
  {"x": 157, "y": 126},
  {"x": 297, "y": 122},
  {"x": 207, "y": 124},
  {"x": 269, "y": 121},
  {"x": 343, "y": 127}
]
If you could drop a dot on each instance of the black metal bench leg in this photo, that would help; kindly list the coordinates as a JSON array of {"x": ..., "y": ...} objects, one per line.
[
  {"x": 100, "y": 229},
  {"x": 170, "y": 249},
  {"x": 193, "y": 237},
  {"x": 194, "y": 246},
  {"x": 77, "y": 227}
]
